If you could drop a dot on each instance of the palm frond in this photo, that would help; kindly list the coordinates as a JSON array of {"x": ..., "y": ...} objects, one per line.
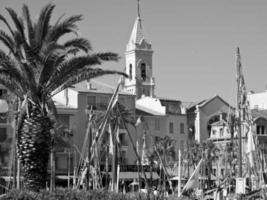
[
  {"x": 27, "y": 16},
  {"x": 17, "y": 21},
  {"x": 42, "y": 25},
  {"x": 80, "y": 62},
  {"x": 3, "y": 19},
  {"x": 107, "y": 56},
  {"x": 8, "y": 64},
  {"x": 62, "y": 28},
  {"x": 51, "y": 47},
  {"x": 80, "y": 75},
  {"x": 12, "y": 84},
  {"x": 80, "y": 43},
  {"x": 50, "y": 64},
  {"x": 7, "y": 41}
]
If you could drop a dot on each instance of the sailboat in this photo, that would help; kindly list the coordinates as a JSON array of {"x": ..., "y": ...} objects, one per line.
[{"x": 248, "y": 180}]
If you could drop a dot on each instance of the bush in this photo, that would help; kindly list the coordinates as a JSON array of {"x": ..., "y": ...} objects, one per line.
[{"x": 65, "y": 194}]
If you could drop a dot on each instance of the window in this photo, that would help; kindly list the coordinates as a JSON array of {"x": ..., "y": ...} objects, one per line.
[
  {"x": 181, "y": 128},
  {"x": 222, "y": 172},
  {"x": 143, "y": 71},
  {"x": 260, "y": 130},
  {"x": 64, "y": 120},
  {"x": 2, "y": 93},
  {"x": 3, "y": 118},
  {"x": 103, "y": 102},
  {"x": 156, "y": 139},
  {"x": 213, "y": 132},
  {"x": 3, "y": 134},
  {"x": 157, "y": 124},
  {"x": 214, "y": 171},
  {"x": 61, "y": 162},
  {"x": 122, "y": 100},
  {"x": 123, "y": 158},
  {"x": 171, "y": 127},
  {"x": 91, "y": 101},
  {"x": 130, "y": 71},
  {"x": 122, "y": 138}
]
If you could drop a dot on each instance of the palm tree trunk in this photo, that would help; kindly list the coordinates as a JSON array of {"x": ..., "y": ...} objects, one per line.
[
  {"x": 53, "y": 170},
  {"x": 33, "y": 146}
]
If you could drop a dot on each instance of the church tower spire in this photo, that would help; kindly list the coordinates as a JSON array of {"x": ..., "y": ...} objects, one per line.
[{"x": 138, "y": 58}]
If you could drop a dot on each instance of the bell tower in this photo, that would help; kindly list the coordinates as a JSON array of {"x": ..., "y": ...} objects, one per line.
[{"x": 138, "y": 58}]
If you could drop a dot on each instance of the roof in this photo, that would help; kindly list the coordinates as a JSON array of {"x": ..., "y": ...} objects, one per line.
[
  {"x": 168, "y": 99},
  {"x": 187, "y": 104},
  {"x": 137, "y": 38},
  {"x": 96, "y": 87},
  {"x": 150, "y": 105},
  {"x": 205, "y": 102},
  {"x": 137, "y": 33}
]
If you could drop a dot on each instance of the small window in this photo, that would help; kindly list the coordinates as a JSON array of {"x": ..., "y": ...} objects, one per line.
[
  {"x": 130, "y": 71},
  {"x": 91, "y": 101},
  {"x": 64, "y": 120},
  {"x": 214, "y": 171},
  {"x": 181, "y": 128},
  {"x": 222, "y": 172},
  {"x": 156, "y": 139},
  {"x": 122, "y": 100},
  {"x": 157, "y": 124},
  {"x": 123, "y": 140},
  {"x": 3, "y": 134},
  {"x": 3, "y": 92},
  {"x": 143, "y": 71},
  {"x": 61, "y": 162},
  {"x": 103, "y": 102},
  {"x": 171, "y": 127},
  {"x": 3, "y": 118}
]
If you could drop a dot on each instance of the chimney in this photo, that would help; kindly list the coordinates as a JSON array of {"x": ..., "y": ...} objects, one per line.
[
  {"x": 88, "y": 85},
  {"x": 221, "y": 116}
]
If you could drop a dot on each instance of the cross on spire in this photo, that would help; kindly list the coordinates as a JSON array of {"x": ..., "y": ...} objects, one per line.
[{"x": 138, "y": 8}]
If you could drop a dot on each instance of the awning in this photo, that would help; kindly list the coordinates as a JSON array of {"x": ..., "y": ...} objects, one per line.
[
  {"x": 134, "y": 175},
  {"x": 10, "y": 178},
  {"x": 64, "y": 177},
  {"x": 3, "y": 106},
  {"x": 176, "y": 178}
]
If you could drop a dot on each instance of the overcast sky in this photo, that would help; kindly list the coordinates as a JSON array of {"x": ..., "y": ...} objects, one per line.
[{"x": 194, "y": 41}]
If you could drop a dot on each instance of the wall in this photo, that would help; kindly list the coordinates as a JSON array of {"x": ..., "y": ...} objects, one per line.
[
  {"x": 206, "y": 112},
  {"x": 258, "y": 100},
  {"x": 162, "y": 129}
]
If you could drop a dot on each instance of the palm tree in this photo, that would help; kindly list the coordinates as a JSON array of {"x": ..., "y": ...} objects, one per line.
[
  {"x": 211, "y": 156},
  {"x": 164, "y": 149},
  {"x": 37, "y": 66}
]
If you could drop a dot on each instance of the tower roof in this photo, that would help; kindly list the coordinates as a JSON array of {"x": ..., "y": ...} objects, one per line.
[
  {"x": 137, "y": 32},
  {"x": 137, "y": 37}
]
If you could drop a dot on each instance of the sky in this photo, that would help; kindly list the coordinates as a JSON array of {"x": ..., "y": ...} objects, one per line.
[{"x": 194, "y": 41}]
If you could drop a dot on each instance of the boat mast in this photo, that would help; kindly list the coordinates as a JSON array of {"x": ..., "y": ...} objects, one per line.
[{"x": 239, "y": 94}]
